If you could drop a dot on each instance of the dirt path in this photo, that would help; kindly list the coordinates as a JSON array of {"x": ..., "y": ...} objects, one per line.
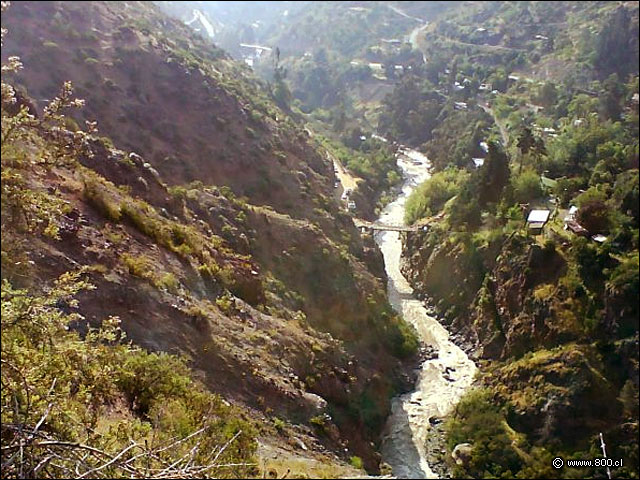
[
  {"x": 503, "y": 130},
  {"x": 345, "y": 178}
]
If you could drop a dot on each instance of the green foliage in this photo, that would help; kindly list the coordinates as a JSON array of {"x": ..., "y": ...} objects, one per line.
[
  {"x": 594, "y": 212},
  {"x": 29, "y": 148},
  {"x": 478, "y": 421},
  {"x": 622, "y": 288},
  {"x": 143, "y": 267},
  {"x": 429, "y": 197},
  {"x": 61, "y": 386},
  {"x": 493, "y": 175},
  {"x": 617, "y": 44},
  {"x": 279, "y": 424},
  {"x": 98, "y": 196},
  {"x": 225, "y": 303},
  {"x": 590, "y": 259},
  {"x": 398, "y": 335},
  {"x": 457, "y": 138},
  {"x": 410, "y": 112},
  {"x": 356, "y": 462},
  {"x": 526, "y": 186}
]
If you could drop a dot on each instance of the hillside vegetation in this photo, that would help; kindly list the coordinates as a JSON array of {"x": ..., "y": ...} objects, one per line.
[
  {"x": 553, "y": 317},
  {"x": 201, "y": 215}
]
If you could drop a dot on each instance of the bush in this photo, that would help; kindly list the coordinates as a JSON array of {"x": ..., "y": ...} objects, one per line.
[
  {"x": 97, "y": 195},
  {"x": 49, "y": 364},
  {"x": 429, "y": 198},
  {"x": 167, "y": 281},
  {"x": 526, "y": 187},
  {"x": 140, "y": 266},
  {"x": 477, "y": 420}
]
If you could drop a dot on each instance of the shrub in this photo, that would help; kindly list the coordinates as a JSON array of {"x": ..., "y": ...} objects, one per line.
[
  {"x": 225, "y": 303},
  {"x": 479, "y": 421},
  {"x": 429, "y": 198},
  {"x": 167, "y": 281},
  {"x": 140, "y": 265},
  {"x": 97, "y": 195},
  {"x": 279, "y": 424},
  {"x": 526, "y": 186},
  {"x": 51, "y": 364}
]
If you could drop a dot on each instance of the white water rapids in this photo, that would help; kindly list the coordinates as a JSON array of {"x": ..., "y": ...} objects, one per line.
[{"x": 408, "y": 426}]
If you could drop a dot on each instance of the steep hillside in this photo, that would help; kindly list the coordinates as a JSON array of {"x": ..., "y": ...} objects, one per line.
[
  {"x": 206, "y": 219},
  {"x": 167, "y": 94},
  {"x": 534, "y": 113}
]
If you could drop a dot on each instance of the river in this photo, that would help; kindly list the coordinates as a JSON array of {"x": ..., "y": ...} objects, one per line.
[{"x": 442, "y": 380}]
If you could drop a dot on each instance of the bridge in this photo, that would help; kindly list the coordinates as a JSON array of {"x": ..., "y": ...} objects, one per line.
[{"x": 363, "y": 224}]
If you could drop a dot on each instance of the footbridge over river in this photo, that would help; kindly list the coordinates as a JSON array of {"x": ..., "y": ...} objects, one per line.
[{"x": 363, "y": 224}]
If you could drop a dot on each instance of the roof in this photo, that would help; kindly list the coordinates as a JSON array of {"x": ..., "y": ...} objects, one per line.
[
  {"x": 536, "y": 216},
  {"x": 478, "y": 162},
  {"x": 548, "y": 182}
]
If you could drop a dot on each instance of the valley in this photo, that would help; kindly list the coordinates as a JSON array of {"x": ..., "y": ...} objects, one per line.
[{"x": 319, "y": 239}]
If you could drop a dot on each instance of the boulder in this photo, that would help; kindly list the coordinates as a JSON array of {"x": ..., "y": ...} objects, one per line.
[{"x": 462, "y": 453}]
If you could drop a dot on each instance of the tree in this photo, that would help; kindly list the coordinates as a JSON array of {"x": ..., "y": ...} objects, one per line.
[
  {"x": 548, "y": 95},
  {"x": 594, "y": 216},
  {"x": 526, "y": 142},
  {"x": 593, "y": 213},
  {"x": 526, "y": 186},
  {"x": 493, "y": 175},
  {"x": 280, "y": 91},
  {"x": 610, "y": 107}
]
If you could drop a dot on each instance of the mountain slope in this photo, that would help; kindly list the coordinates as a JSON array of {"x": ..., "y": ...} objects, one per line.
[{"x": 217, "y": 237}]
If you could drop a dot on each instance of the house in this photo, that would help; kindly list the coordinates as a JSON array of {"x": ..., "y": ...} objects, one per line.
[{"x": 537, "y": 220}]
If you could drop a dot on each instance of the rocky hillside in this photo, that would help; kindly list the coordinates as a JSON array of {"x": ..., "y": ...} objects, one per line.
[
  {"x": 205, "y": 218},
  {"x": 561, "y": 363},
  {"x": 540, "y": 112}
]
